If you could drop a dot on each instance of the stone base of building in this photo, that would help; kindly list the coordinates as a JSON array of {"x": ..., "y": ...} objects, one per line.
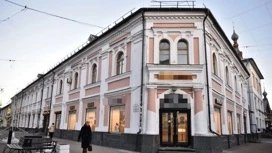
[{"x": 151, "y": 143}]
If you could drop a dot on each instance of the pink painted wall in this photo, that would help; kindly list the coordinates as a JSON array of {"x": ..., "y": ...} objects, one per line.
[
  {"x": 110, "y": 64},
  {"x": 151, "y": 100},
  {"x": 198, "y": 101},
  {"x": 127, "y": 110},
  {"x": 106, "y": 115},
  {"x": 230, "y": 106},
  {"x": 119, "y": 84},
  {"x": 74, "y": 95},
  {"x": 216, "y": 86},
  {"x": 128, "y": 57},
  {"x": 196, "y": 50},
  {"x": 91, "y": 91},
  {"x": 228, "y": 94},
  {"x": 237, "y": 99},
  {"x": 99, "y": 68},
  {"x": 59, "y": 99},
  {"x": 151, "y": 50}
]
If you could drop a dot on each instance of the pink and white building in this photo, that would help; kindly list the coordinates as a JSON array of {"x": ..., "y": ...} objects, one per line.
[{"x": 162, "y": 77}]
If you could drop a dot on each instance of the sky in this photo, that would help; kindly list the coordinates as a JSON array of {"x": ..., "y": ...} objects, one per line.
[{"x": 35, "y": 42}]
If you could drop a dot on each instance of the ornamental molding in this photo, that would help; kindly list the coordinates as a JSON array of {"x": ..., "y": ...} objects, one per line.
[{"x": 174, "y": 17}]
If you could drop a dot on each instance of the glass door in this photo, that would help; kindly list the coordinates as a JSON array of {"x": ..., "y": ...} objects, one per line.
[{"x": 174, "y": 128}]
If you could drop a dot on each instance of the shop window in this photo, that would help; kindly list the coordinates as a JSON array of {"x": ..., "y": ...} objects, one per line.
[
  {"x": 214, "y": 65},
  {"x": 57, "y": 120},
  {"x": 90, "y": 116},
  {"x": 164, "y": 52},
  {"x": 94, "y": 73},
  {"x": 235, "y": 83},
  {"x": 183, "y": 52},
  {"x": 71, "y": 120},
  {"x": 217, "y": 120},
  {"x": 238, "y": 124},
  {"x": 120, "y": 64},
  {"x": 117, "y": 119},
  {"x": 230, "y": 123}
]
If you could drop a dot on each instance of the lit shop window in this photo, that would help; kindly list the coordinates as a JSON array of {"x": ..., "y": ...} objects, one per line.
[
  {"x": 58, "y": 119},
  {"x": 72, "y": 120},
  {"x": 238, "y": 124},
  {"x": 230, "y": 124},
  {"x": 90, "y": 116},
  {"x": 117, "y": 119},
  {"x": 217, "y": 120}
]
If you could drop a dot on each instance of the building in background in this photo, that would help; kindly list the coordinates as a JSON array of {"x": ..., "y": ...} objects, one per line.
[
  {"x": 5, "y": 116},
  {"x": 162, "y": 77},
  {"x": 267, "y": 112}
]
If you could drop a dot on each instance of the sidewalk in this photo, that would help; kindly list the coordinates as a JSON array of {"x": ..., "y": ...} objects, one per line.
[
  {"x": 75, "y": 147},
  {"x": 264, "y": 147}
]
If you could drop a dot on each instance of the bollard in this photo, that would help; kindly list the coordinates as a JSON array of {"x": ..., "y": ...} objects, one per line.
[{"x": 9, "y": 137}]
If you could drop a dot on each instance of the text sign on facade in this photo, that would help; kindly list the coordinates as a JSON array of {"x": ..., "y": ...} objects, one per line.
[
  {"x": 72, "y": 107},
  {"x": 136, "y": 108},
  {"x": 89, "y": 105}
]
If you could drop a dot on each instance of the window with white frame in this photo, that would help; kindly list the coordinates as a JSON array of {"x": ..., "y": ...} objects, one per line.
[
  {"x": 57, "y": 120},
  {"x": 238, "y": 124},
  {"x": 120, "y": 63},
  {"x": 214, "y": 65},
  {"x": 217, "y": 120},
  {"x": 94, "y": 73},
  {"x": 75, "y": 80},
  {"x": 230, "y": 122},
  {"x": 164, "y": 52},
  {"x": 183, "y": 52},
  {"x": 117, "y": 119},
  {"x": 47, "y": 92}
]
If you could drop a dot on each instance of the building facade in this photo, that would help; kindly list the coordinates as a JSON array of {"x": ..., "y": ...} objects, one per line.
[
  {"x": 162, "y": 77},
  {"x": 256, "y": 104}
]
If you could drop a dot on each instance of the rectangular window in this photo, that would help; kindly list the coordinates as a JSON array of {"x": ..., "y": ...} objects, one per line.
[
  {"x": 90, "y": 116},
  {"x": 217, "y": 120},
  {"x": 238, "y": 124},
  {"x": 230, "y": 123},
  {"x": 47, "y": 94},
  {"x": 72, "y": 120},
  {"x": 117, "y": 119},
  {"x": 58, "y": 119}
]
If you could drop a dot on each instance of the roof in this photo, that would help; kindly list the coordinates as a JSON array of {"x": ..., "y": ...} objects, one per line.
[
  {"x": 254, "y": 65},
  {"x": 139, "y": 11}
]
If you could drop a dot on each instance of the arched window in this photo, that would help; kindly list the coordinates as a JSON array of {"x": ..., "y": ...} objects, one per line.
[
  {"x": 235, "y": 83},
  {"x": 227, "y": 76},
  {"x": 60, "y": 86},
  {"x": 120, "y": 63},
  {"x": 164, "y": 52},
  {"x": 183, "y": 52},
  {"x": 76, "y": 80},
  {"x": 214, "y": 64},
  {"x": 94, "y": 73}
]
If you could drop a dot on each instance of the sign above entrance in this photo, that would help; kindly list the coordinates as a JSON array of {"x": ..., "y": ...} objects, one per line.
[
  {"x": 89, "y": 105},
  {"x": 72, "y": 107}
]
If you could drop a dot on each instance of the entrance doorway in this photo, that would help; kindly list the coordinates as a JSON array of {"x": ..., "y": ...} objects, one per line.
[{"x": 174, "y": 127}]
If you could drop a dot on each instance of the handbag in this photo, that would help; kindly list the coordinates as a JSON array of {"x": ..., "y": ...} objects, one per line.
[{"x": 90, "y": 148}]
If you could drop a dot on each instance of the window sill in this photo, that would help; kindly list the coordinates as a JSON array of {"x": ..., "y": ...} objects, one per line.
[
  {"x": 91, "y": 85},
  {"x": 118, "y": 77},
  {"x": 74, "y": 91}
]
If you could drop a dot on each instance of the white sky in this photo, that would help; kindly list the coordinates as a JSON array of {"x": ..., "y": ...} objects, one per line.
[{"x": 37, "y": 41}]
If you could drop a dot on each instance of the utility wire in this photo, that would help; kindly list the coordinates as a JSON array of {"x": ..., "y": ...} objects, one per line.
[
  {"x": 22, "y": 10},
  {"x": 50, "y": 14},
  {"x": 13, "y": 60},
  {"x": 250, "y": 9}
]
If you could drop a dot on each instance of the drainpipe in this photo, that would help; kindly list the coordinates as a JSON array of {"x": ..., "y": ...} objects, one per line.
[
  {"x": 142, "y": 78},
  {"x": 51, "y": 99},
  {"x": 207, "y": 77},
  {"x": 39, "y": 117}
]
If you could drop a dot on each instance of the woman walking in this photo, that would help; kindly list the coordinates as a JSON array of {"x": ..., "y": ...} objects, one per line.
[{"x": 86, "y": 136}]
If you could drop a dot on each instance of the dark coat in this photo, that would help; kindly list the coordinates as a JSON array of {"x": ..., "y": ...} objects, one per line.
[{"x": 86, "y": 136}]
